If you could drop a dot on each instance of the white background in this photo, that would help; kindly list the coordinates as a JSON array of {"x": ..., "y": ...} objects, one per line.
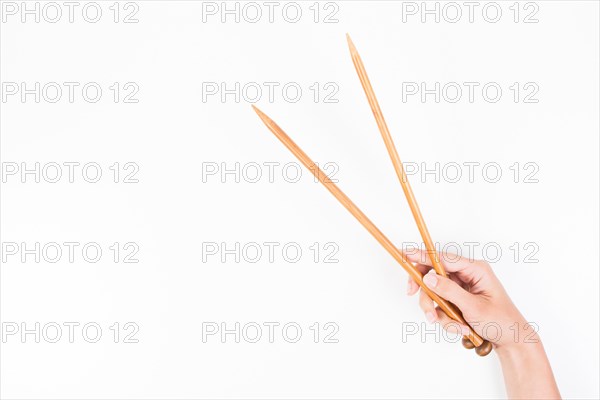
[{"x": 170, "y": 132}]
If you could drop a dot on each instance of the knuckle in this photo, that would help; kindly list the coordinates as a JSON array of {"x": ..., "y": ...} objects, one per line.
[{"x": 443, "y": 284}]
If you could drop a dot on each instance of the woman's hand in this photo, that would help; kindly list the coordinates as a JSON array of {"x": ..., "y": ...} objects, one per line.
[{"x": 474, "y": 288}]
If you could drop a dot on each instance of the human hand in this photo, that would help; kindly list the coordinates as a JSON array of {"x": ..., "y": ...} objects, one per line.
[{"x": 474, "y": 288}]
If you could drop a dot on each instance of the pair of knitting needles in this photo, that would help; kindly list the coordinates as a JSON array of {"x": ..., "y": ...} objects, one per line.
[{"x": 470, "y": 341}]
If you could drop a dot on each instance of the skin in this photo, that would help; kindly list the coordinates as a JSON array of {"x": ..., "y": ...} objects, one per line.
[{"x": 474, "y": 288}]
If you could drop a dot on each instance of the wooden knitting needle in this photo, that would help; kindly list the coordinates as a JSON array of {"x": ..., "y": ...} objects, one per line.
[
  {"x": 446, "y": 306},
  {"x": 391, "y": 148},
  {"x": 389, "y": 144}
]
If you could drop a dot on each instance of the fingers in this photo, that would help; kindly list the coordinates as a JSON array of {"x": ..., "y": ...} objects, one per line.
[
  {"x": 451, "y": 262},
  {"x": 434, "y": 314},
  {"x": 467, "y": 270},
  {"x": 428, "y": 307},
  {"x": 451, "y": 325},
  {"x": 413, "y": 287},
  {"x": 449, "y": 290},
  {"x": 418, "y": 256},
  {"x": 458, "y": 281}
]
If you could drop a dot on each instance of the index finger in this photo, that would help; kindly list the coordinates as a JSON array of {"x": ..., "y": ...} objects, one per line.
[{"x": 451, "y": 262}]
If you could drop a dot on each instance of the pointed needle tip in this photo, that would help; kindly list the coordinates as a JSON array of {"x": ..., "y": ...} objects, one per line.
[
  {"x": 350, "y": 42},
  {"x": 262, "y": 115},
  {"x": 256, "y": 110}
]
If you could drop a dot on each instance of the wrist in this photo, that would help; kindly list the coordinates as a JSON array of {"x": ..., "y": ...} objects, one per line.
[
  {"x": 517, "y": 335},
  {"x": 519, "y": 350},
  {"x": 523, "y": 343},
  {"x": 527, "y": 371}
]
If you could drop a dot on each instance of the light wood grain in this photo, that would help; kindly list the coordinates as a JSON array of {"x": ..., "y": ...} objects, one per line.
[
  {"x": 399, "y": 168},
  {"x": 446, "y": 306},
  {"x": 391, "y": 148}
]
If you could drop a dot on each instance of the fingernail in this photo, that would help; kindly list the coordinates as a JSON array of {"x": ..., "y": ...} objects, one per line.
[
  {"x": 464, "y": 330},
  {"x": 430, "y": 279},
  {"x": 430, "y": 317}
]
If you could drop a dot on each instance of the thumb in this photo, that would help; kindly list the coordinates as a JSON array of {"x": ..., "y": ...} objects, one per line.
[{"x": 449, "y": 290}]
